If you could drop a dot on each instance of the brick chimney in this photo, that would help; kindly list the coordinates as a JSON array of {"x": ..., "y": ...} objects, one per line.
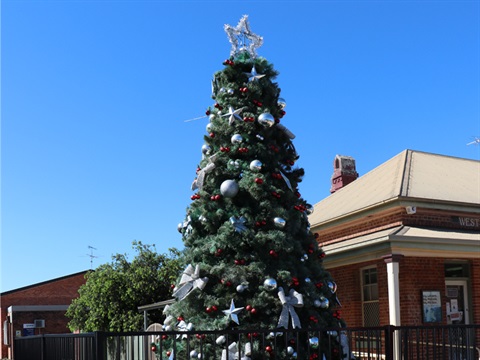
[{"x": 344, "y": 172}]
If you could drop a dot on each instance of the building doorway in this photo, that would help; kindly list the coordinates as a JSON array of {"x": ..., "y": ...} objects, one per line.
[{"x": 457, "y": 304}]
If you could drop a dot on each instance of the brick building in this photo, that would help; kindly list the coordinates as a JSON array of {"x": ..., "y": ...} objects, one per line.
[
  {"x": 37, "y": 309},
  {"x": 403, "y": 241}
]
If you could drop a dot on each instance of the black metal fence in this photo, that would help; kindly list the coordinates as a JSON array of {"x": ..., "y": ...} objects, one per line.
[{"x": 450, "y": 342}]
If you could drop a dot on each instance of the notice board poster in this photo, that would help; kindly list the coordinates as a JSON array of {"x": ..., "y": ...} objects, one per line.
[{"x": 432, "y": 306}]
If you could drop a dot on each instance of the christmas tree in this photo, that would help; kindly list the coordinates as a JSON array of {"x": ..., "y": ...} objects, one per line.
[{"x": 251, "y": 260}]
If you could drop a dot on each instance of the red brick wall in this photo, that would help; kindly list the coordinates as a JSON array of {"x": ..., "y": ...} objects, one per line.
[
  {"x": 59, "y": 291},
  {"x": 349, "y": 291},
  {"x": 389, "y": 219},
  {"x": 475, "y": 288},
  {"x": 415, "y": 274}
]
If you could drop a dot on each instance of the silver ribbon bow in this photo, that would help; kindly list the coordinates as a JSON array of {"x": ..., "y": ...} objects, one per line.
[
  {"x": 289, "y": 302},
  {"x": 189, "y": 281},
  {"x": 183, "y": 326},
  {"x": 233, "y": 353},
  {"x": 198, "y": 183},
  {"x": 289, "y": 184},
  {"x": 239, "y": 224},
  {"x": 286, "y": 131}
]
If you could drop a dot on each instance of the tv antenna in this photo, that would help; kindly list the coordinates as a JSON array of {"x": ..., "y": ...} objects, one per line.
[
  {"x": 91, "y": 256},
  {"x": 476, "y": 141}
]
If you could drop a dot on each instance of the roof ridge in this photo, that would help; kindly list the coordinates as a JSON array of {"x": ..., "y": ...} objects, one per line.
[{"x": 407, "y": 168}]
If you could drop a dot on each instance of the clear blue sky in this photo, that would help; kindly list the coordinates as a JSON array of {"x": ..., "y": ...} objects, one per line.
[{"x": 95, "y": 149}]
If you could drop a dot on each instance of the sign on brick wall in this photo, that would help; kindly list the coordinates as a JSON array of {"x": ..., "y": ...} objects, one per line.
[{"x": 467, "y": 222}]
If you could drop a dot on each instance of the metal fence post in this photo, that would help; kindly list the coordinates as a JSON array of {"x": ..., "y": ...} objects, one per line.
[
  {"x": 99, "y": 345},
  {"x": 389, "y": 341}
]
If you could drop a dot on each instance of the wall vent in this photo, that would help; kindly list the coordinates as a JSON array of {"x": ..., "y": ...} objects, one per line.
[{"x": 39, "y": 323}]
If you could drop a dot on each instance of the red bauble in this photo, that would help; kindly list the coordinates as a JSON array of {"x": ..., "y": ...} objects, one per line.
[
  {"x": 164, "y": 337},
  {"x": 248, "y": 307},
  {"x": 169, "y": 353},
  {"x": 259, "y": 180},
  {"x": 268, "y": 349},
  {"x": 153, "y": 348},
  {"x": 208, "y": 310},
  {"x": 253, "y": 311},
  {"x": 217, "y": 197},
  {"x": 273, "y": 253},
  {"x": 212, "y": 135},
  {"x": 214, "y": 308}
]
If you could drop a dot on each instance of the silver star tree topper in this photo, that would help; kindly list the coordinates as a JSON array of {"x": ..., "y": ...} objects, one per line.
[{"x": 242, "y": 38}]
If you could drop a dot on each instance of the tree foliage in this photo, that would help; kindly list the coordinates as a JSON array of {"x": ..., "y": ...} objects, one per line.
[{"x": 110, "y": 298}]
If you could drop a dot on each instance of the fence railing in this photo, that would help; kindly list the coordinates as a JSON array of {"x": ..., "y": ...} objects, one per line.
[{"x": 450, "y": 342}]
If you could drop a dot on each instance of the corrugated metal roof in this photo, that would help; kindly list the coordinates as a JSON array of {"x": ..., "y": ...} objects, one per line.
[{"x": 410, "y": 174}]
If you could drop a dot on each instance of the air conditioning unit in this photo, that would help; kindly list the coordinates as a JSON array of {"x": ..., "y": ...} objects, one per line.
[{"x": 39, "y": 323}]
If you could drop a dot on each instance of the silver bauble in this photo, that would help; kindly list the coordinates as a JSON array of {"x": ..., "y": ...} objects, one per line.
[
  {"x": 168, "y": 328},
  {"x": 209, "y": 127},
  {"x": 234, "y": 164},
  {"x": 236, "y": 139},
  {"x": 294, "y": 355},
  {"x": 279, "y": 222},
  {"x": 229, "y": 188},
  {"x": 222, "y": 89},
  {"x": 270, "y": 284},
  {"x": 256, "y": 165},
  {"x": 194, "y": 354},
  {"x": 313, "y": 342},
  {"x": 324, "y": 302},
  {"x": 290, "y": 350},
  {"x": 230, "y": 91},
  {"x": 180, "y": 227},
  {"x": 317, "y": 303},
  {"x": 211, "y": 117},
  {"x": 307, "y": 280},
  {"x": 206, "y": 149},
  {"x": 266, "y": 119},
  {"x": 281, "y": 103},
  {"x": 309, "y": 209},
  {"x": 241, "y": 288},
  {"x": 332, "y": 286},
  {"x": 220, "y": 340},
  {"x": 199, "y": 356}
]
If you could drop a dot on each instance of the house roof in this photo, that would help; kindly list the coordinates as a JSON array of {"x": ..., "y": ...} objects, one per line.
[
  {"x": 409, "y": 175},
  {"x": 404, "y": 240},
  {"x": 43, "y": 283}
]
